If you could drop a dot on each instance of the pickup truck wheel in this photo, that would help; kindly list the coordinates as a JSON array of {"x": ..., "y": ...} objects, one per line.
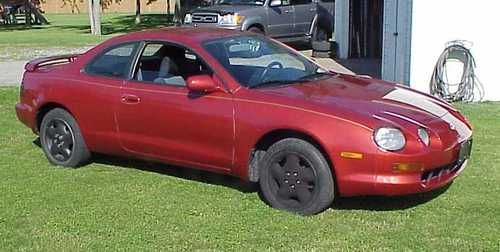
[
  {"x": 294, "y": 176},
  {"x": 255, "y": 29},
  {"x": 61, "y": 139}
]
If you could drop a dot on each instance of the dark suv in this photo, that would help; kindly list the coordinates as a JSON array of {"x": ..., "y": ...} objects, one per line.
[{"x": 286, "y": 20}]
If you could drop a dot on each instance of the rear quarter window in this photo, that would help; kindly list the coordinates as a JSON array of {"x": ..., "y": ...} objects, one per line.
[{"x": 113, "y": 62}]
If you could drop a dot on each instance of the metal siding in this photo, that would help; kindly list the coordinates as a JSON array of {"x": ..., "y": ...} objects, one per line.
[
  {"x": 341, "y": 28},
  {"x": 396, "y": 53}
]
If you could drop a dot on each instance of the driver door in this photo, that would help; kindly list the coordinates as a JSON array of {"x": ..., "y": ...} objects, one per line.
[{"x": 163, "y": 120}]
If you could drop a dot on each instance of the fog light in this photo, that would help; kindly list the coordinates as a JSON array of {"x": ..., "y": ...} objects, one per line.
[{"x": 408, "y": 167}]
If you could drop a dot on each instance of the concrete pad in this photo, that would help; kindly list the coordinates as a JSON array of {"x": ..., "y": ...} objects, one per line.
[
  {"x": 328, "y": 63},
  {"x": 11, "y": 72}
]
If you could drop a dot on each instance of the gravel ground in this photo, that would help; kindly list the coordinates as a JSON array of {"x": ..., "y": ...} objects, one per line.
[{"x": 27, "y": 53}]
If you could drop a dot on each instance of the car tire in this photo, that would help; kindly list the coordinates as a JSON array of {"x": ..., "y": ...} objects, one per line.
[
  {"x": 295, "y": 176},
  {"x": 61, "y": 139},
  {"x": 255, "y": 29}
]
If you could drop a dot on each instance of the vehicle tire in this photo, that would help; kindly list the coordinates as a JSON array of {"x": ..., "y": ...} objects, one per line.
[
  {"x": 256, "y": 29},
  {"x": 62, "y": 140},
  {"x": 296, "y": 177}
]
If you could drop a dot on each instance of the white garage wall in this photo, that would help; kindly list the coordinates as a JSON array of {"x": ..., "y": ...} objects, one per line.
[{"x": 437, "y": 22}]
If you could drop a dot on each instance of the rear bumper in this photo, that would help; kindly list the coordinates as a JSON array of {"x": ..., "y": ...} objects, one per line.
[{"x": 25, "y": 114}]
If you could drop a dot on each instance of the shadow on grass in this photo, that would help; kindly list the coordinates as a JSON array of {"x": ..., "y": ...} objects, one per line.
[
  {"x": 20, "y": 27},
  {"x": 179, "y": 172},
  {"x": 384, "y": 203},
  {"x": 114, "y": 25},
  {"x": 371, "y": 203}
]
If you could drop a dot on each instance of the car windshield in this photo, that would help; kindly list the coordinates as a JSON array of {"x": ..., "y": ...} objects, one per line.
[
  {"x": 240, "y": 2},
  {"x": 256, "y": 61}
]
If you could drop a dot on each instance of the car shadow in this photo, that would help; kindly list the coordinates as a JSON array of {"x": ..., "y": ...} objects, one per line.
[
  {"x": 371, "y": 203},
  {"x": 387, "y": 203},
  {"x": 178, "y": 172}
]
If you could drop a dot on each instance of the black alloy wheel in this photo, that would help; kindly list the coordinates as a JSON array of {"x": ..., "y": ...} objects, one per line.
[
  {"x": 293, "y": 179},
  {"x": 62, "y": 140},
  {"x": 295, "y": 176},
  {"x": 59, "y": 139}
]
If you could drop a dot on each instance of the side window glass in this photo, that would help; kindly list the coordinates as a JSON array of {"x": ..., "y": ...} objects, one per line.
[
  {"x": 113, "y": 63},
  {"x": 299, "y": 2},
  {"x": 167, "y": 64}
]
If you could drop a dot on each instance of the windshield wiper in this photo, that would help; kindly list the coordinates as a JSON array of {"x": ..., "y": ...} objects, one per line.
[
  {"x": 315, "y": 76},
  {"x": 274, "y": 83}
]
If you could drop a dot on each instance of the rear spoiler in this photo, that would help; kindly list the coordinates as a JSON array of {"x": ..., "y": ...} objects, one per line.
[{"x": 47, "y": 61}]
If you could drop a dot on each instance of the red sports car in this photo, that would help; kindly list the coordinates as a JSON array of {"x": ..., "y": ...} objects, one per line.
[{"x": 245, "y": 105}]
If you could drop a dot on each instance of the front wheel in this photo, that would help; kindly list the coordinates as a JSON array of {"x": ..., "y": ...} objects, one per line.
[
  {"x": 255, "y": 29},
  {"x": 295, "y": 176},
  {"x": 61, "y": 139}
]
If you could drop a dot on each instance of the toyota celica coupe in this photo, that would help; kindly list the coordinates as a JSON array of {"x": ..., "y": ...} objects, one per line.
[{"x": 242, "y": 104}]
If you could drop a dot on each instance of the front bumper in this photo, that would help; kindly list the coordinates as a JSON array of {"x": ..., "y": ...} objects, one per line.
[
  {"x": 214, "y": 25},
  {"x": 431, "y": 178}
]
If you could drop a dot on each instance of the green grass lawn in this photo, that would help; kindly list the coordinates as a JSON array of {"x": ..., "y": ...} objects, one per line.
[
  {"x": 117, "y": 204},
  {"x": 73, "y": 30}
]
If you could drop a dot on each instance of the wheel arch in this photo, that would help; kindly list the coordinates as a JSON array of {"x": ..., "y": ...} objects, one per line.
[
  {"x": 273, "y": 136},
  {"x": 44, "y": 109},
  {"x": 257, "y": 25}
]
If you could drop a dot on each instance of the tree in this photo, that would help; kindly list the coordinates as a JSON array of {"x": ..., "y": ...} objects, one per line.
[
  {"x": 137, "y": 11},
  {"x": 95, "y": 16}
]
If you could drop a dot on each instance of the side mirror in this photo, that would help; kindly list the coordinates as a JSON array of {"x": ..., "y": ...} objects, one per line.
[
  {"x": 275, "y": 3},
  {"x": 201, "y": 84}
]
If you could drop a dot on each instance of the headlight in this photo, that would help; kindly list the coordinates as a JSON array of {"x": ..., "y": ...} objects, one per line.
[
  {"x": 390, "y": 139},
  {"x": 231, "y": 19},
  {"x": 424, "y": 136},
  {"x": 188, "y": 18}
]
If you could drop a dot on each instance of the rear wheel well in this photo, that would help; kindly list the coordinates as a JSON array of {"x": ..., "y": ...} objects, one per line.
[
  {"x": 43, "y": 110},
  {"x": 274, "y": 136},
  {"x": 258, "y": 26}
]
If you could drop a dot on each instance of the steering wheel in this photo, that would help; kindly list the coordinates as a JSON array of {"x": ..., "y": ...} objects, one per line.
[{"x": 271, "y": 65}]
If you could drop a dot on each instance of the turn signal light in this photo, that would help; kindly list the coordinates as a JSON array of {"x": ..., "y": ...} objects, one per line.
[
  {"x": 408, "y": 167},
  {"x": 351, "y": 155}
]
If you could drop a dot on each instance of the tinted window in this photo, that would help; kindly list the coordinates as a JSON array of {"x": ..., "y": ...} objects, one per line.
[
  {"x": 114, "y": 62},
  {"x": 163, "y": 63},
  {"x": 297, "y": 2},
  {"x": 256, "y": 61}
]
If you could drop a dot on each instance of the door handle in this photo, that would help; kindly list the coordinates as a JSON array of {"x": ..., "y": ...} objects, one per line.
[
  {"x": 312, "y": 9},
  {"x": 131, "y": 99}
]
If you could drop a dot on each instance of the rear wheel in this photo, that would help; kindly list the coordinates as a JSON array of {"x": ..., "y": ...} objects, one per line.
[
  {"x": 61, "y": 139},
  {"x": 295, "y": 176}
]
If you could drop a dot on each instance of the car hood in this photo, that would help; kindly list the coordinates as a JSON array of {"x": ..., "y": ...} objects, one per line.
[
  {"x": 359, "y": 97},
  {"x": 224, "y": 9}
]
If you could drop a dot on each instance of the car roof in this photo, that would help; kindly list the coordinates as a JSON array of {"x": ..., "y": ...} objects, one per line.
[{"x": 181, "y": 34}]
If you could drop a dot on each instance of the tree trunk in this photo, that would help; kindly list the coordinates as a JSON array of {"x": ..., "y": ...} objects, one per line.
[
  {"x": 91, "y": 16},
  {"x": 168, "y": 7},
  {"x": 95, "y": 16},
  {"x": 137, "y": 11}
]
